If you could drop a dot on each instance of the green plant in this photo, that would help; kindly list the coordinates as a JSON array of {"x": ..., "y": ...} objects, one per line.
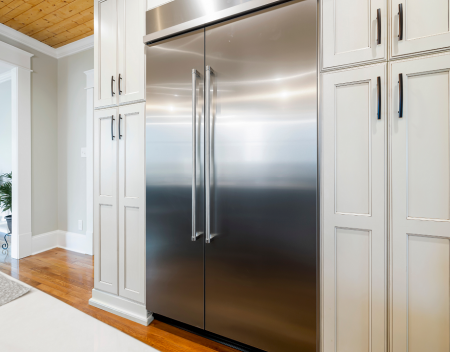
[{"x": 6, "y": 192}]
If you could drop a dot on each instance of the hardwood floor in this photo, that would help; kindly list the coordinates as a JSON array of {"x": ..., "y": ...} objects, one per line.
[{"x": 69, "y": 277}]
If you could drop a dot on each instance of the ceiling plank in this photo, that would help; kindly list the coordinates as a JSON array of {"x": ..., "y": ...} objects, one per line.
[
  {"x": 74, "y": 39},
  {"x": 53, "y": 22},
  {"x": 35, "y": 13}
]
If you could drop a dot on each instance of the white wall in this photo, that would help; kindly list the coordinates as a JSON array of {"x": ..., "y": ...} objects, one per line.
[
  {"x": 71, "y": 138},
  {"x": 5, "y": 127},
  {"x": 44, "y": 139},
  {"x": 5, "y": 131},
  {"x": 58, "y": 132}
]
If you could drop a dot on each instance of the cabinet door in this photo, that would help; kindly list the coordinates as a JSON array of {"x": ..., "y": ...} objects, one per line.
[
  {"x": 354, "y": 241},
  {"x": 105, "y": 53},
  {"x": 425, "y": 26},
  {"x": 350, "y": 32},
  {"x": 420, "y": 205},
  {"x": 105, "y": 200},
  {"x": 131, "y": 139},
  {"x": 131, "y": 51}
]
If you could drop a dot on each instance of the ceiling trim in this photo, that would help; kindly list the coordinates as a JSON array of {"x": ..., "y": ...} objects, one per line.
[{"x": 66, "y": 50}]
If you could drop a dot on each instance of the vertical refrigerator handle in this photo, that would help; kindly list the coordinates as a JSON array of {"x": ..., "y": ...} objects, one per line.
[
  {"x": 195, "y": 75},
  {"x": 209, "y": 71}
]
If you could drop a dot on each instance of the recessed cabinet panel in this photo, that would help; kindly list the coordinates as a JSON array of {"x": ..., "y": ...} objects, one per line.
[
  {"x": 131, "y": 54},
  {"x": 351, "y": 14},
  {"x": 350, "y": 32},
  {"x": 428, "y": 294},
  {"x": 353, "y": 201},
  {"x": 420, "y": 229},
  {"x": 132, "y": 129},
  {"x": 423, "y": 26},
  {"x": 353, "y": 148},
  {"x": 107, "y": 150},
  {"x": 105, "y": 53},
  {"x": 353, "y": 284},
  {"x": 132, "y": 202},
  {"x": 108, "y": 245},
  {"x": 132, "y": 278},
  {"x": 414, "y": 16},
  {"x": 428, "y": 145},
  {"x": 105, "y": 201}
]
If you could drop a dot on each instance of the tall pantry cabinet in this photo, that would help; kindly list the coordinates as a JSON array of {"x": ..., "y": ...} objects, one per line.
[
  {"x": 385, "y": 175},
  {"x": 119, "y": 159}
]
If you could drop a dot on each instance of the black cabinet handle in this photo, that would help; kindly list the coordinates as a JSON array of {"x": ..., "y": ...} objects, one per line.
[
  {"x": 112, "y": 86},
  {"x": 400, "y": 21},
  {"x": 120, "y": 79},
  {"x": 378, "y": 26},
  {"x": 379, "y": 97},
  {"x": 400, "y": 92},
  {"x": 120, "y": 119},
  {"x": 112, "y": 127}
]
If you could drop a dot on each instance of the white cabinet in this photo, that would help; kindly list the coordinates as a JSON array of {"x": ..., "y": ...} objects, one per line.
[
  {"x": 105, "y": 201},
  {"x": 422, "y": 26},
  {"x": 105, "y": 53},
  {"x": 420, "y": 208},
  {"x": 119, "y": 55},
  {"x": 119, "y": 201},
  {"x": 353, "y": 32},
  {"x": 354, "y": 198},
  {"x": 131, "y": 140}
]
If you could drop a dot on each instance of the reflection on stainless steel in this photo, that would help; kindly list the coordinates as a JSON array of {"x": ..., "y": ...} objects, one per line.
[
  {"x": 174, "y": 262},
  {"x": 260, "y": 270},
  {"x": 180, "y": 11},
  {"x": 180, "y": 16},
  {"x": 243, "y": 172}
]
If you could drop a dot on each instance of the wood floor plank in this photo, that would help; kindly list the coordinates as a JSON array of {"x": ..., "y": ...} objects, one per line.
[{"x": 69, "y": 277}]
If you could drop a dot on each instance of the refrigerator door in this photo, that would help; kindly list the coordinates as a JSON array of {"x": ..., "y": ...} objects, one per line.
[
  {"x": 175, "y": 272},
  {"x": 260, "y": 265}
]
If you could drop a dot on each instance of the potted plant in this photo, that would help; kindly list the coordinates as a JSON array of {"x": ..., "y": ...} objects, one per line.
[{"x": 6, "y": 197}]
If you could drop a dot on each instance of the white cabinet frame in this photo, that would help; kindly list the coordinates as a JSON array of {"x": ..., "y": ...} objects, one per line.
[
  {"x": 349, "y": 32},
  {"x": 419, "y": 209},
  {"x": 105, "y": 201},
  {"x": 131, "y": 199},
  {"x": 426, "y": 27},
  {"x": 354, "y": 210}
]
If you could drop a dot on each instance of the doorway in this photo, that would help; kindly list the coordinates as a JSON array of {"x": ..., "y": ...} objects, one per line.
[{"x": 15, "y": 68}]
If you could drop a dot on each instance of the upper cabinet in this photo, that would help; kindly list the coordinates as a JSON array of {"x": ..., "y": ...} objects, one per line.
[
  {"x": 119, "y": 59},
  {"x": 105, "y": 53},
  {"x": 131, "y": 50},
  {"x": 418, "y": 26},
  {"x": 353, "y": 31}
]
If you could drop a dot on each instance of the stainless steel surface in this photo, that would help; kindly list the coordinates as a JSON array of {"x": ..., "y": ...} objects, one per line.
[
  {"x": 195, "y": 233},
  {"x": 260, "y": 269},
  {"x": 181, "y": 16},
  {"x": 175, "y": 272}
]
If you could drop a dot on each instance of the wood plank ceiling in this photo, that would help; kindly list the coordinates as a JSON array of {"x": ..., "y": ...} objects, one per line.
[{"x": 53, "y": 22}]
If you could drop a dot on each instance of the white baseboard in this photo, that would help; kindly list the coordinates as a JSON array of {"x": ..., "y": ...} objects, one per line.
[
  {"x": 71, "y": 241},
  {"x": 44, "y": 242},
  {"x": 121, "y": 306}
]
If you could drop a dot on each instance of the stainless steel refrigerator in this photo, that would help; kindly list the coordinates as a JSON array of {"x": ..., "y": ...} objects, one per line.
[{"x": 231, "y": 173}]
